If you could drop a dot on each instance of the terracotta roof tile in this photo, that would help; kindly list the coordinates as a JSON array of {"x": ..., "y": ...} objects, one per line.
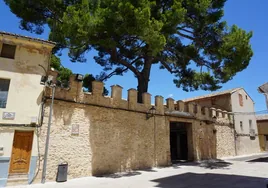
[
  {"x": 230, "y": 91},
  {"x": 27, "y": 37},
  {"x": 262, "y": 117}
]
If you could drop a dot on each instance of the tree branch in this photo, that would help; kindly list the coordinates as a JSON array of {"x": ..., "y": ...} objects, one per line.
[
  {"x": 185, "y": 36},
  {"x": 180, "y": 28},
  {"x": 113, "y": 54},
  {"x": 115, "y": 71},
  {"x": 168, "y": 67},
  {"x": 54, "y": 15},
  {"x": 198, "y": 61},
  {"x": 112, "y": 74}
]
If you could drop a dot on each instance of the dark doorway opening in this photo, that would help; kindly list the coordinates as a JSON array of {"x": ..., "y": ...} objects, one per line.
[{"x": 178, "y": 142}]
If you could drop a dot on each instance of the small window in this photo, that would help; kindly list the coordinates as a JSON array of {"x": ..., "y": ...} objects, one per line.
[
  {"x": 240, "y": 99},
  {"x": 241, "y": 125},
  {"x": 246, "y": 97},
  {"x": 8, "y": 51},
  {"x": 266, "y": 137},
  {"x": 250, "y": 124},
  {"x": 4, "y": 87}
]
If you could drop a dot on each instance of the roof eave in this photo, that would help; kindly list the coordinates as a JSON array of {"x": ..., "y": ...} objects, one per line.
[{"x": 45, "y": 42}]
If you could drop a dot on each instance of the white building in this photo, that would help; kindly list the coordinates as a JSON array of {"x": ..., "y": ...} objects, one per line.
[{"x": 23, "y": 61}]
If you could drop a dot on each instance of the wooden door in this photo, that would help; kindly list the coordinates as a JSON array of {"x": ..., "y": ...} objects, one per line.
[
  {"x": 266, "y": 142},
  {"x": 21, "y": 152}
]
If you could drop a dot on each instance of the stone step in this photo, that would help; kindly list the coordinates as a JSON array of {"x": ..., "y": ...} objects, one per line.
[
  {"x": 17, "y": 179},
  {"x": 12, "y": 176}
]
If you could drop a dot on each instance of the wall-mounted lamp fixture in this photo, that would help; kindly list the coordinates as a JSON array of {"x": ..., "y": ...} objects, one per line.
[
  {"x": 43, "y": 80},
  {"x": 151, "y": 112}
]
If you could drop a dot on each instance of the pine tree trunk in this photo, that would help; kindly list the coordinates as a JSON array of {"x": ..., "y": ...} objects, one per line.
[
  {"x": 143, "y": 79},
  {"x": 142, "y": 87}
]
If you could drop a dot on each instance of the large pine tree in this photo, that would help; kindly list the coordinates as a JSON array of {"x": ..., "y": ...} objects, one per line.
[{"x": 188, "y": 38}]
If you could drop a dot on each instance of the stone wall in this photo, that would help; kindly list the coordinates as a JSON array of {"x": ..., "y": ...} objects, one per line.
[
  {"x": 115, "y": 135},
  {"x": 205, "y": 141},
  {"x": 109, "y": 140},
  {"x": 225, "y": 142}
]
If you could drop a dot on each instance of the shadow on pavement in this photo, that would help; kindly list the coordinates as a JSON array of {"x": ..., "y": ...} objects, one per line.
[
  {"x": 262, "y": 159},
  {"x": 208, "y": 180},
  {"x": 120, "y": 175},
  {"x": 208, "y": 164}
]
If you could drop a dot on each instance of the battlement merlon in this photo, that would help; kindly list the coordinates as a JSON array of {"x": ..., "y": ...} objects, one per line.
[{"x": 76, "y": 94}]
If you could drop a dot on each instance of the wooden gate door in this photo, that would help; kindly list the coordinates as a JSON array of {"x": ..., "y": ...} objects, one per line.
[
  {"x": 21, "y": 152},
  {"x": 266, "y": 142}
]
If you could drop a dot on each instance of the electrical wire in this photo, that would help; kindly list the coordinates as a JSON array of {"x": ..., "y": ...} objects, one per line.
[{"x": 251, "y": 113}]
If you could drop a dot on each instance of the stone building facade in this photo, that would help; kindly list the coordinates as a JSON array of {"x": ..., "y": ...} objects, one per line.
[
  {"x": 241, "y": 105},
  {"x": 99, "y": 135}
]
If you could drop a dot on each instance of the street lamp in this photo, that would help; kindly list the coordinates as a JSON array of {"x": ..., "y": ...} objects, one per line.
[
  {"x": 151, "y": 112},
  {"x": 48, "y": 82},
  {"x": 53, "y": 86}
]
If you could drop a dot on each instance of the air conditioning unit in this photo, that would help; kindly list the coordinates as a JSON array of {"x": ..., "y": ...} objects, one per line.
[{"x": 252, "y": 132}]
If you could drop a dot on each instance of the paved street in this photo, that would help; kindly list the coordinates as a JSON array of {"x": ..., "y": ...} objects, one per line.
[{"x": 231, "y": 173}]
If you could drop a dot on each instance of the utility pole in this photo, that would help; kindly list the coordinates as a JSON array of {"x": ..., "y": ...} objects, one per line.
[{"x": 48, "y": 134}]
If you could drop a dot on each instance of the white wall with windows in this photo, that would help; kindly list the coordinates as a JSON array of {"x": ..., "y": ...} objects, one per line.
[
  {"x": 20, "y": 75},
  {"x": 244, "y": 120}
]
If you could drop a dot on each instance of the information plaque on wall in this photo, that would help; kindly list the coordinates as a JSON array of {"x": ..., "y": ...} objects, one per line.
[
  {"x": 8, "y": 115},
  {"x": 75, "y": 129}
]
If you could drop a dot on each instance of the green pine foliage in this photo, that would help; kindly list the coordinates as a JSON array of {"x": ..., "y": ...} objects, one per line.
[
  {"x": 87, "y": 84},
  {"x": 64, "y": 73},
  {"x": 188, "y": 38}
]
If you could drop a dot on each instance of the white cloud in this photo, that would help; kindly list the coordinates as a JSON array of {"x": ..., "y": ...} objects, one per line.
[{"x": 170, "y": 95}]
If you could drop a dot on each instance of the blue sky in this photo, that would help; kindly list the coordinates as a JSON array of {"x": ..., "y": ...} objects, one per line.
[{"x": 248, "y": 15}]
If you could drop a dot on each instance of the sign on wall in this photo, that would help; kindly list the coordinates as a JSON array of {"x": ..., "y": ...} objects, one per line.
[
  {"x": 75, "y": 129},
  {"x": 8, "y": 115}
]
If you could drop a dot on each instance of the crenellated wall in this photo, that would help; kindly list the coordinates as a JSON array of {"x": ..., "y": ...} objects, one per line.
[
  {"x": 115, "y": 135},
  {"x": 75, "y": 94}
]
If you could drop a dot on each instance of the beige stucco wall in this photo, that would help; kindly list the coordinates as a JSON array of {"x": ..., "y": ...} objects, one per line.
[
  {"x": 25, "y": 91},
  {"x": 244, "y": 144},
  {"x": 7, "y": 136}
]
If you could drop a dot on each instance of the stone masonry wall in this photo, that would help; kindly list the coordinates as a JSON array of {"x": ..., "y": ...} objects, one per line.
[
  {"x": 225, "y": 141},
  {"x": 65, "y": 146},
  {"x": 205, "y": 141},
  {"x": 115, "y": 135},
  {"x": 108, "y": 141}
]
